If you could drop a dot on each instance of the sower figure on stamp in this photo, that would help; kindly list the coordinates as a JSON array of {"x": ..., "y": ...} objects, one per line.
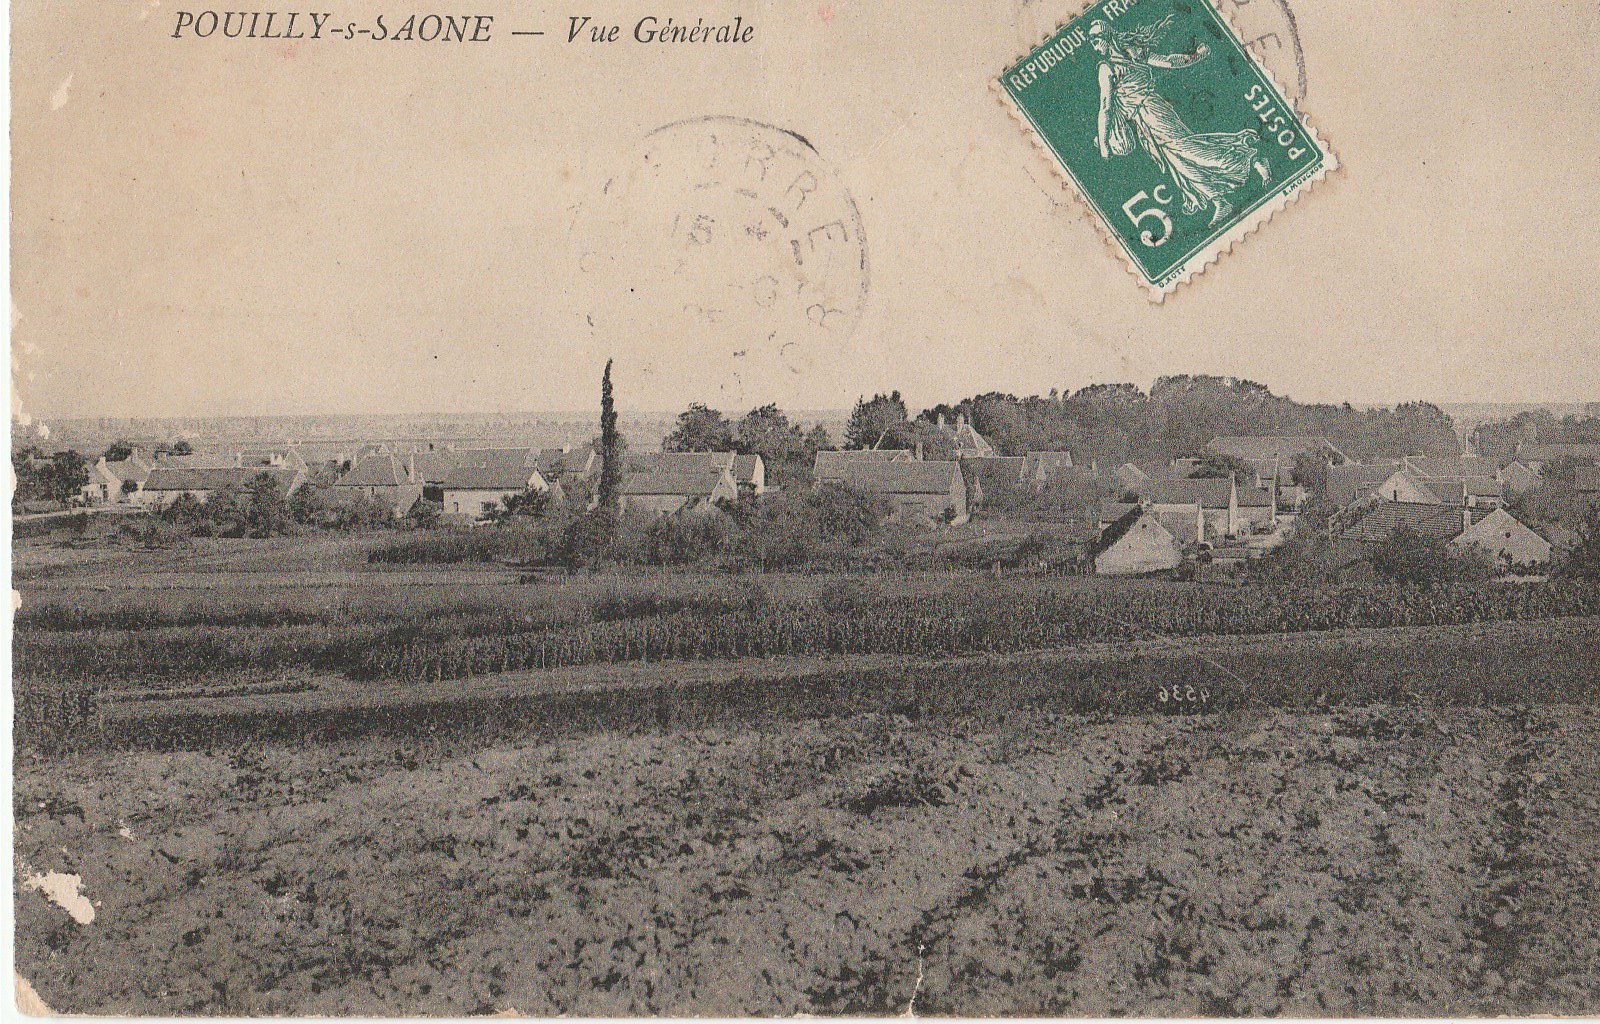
[{"x": 1204, "y": 167}]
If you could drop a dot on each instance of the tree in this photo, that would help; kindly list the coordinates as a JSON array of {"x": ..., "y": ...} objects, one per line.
[
  {"x": 1219, "y": 467},
  {"x": 871, "y": 418},
  {"x": 699, "y": 429},
  {"x": 530, "y": 503},
  {"x": 611, "y": 447},
  {"x": 1583, "y": 561},
  {"x": 1409, "y": 558},
  {"x": 266, "y": 512},
  {"x": 308, "y": 505},
  {"x": 118, "y": 451},
  {"x": 1310, "y": 470}
]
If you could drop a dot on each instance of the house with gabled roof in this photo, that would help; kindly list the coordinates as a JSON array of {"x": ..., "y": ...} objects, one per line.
[
  {"x": 1218, "y": 498},
  {"x": 1283, "y": 447},
  {"x": 567, "y": 464},
  {"x": 1355, "y": 481},
  {"x": 1381, "y": 519},
  {"x": 749, "y": 472},
  {"x": 917, "y": 491},
  {"x": 484, "y": 477},
  {"x": 670, "y": 492},
  {"x": 967, "y": 440},
  {"x": 113, "y": 482},
  {"x": 829, "y": 464},
  {"x": 1136, "y": 543},
  {"x": 1540, "y": 454},
  {"x": 1038, "y": 467},
  {"x": 1586, "y": 481},
  {"x": 383, "y": 478},
  {"x": 1258, "y": 507},
  {"x": 166, "y": 484},
  {"x": 1507, "y": 540}
]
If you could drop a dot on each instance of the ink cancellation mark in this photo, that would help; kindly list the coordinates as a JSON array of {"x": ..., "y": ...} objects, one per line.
[
  {"x": 1169, "y": 128},
  {"x": 735, "y": 233}
]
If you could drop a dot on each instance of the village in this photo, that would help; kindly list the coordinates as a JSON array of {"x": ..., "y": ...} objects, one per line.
[{"x": 1233, "y": 499}]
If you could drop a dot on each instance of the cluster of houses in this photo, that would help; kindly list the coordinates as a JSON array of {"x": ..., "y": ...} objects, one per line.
[
  {"x": 464, "y": 483},
  {"x": 1162, "y": 512},
  {"x": 1457, "y": 499}
]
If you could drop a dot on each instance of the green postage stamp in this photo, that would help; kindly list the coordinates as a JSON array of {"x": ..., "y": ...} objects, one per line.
[{"x": 1168, "y": 127}]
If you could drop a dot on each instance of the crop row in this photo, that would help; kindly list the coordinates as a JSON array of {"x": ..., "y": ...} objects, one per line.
[{"x": 949, "y": 624}]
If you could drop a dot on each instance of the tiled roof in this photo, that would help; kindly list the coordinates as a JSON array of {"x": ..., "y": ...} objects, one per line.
[
  {"x": 198, "y": 460},
  {"x": 133, "y": 468},
  {"x": 1354, "y": 482},
  {"x": 1443, "y": 468},
  {"x": 744, "y": 468},
  {"x": 1282, "y": 446},
  {"x": 501, "y": 476},
  {"x": 689, "y": 484},
  {"x": 374, "y": 471},
  {"x": 1254, "y": 497},
  {"x": 166, "y": 478},
  {"x": 1550, "y": 451},
  {"x": 1587, "y": 479},
  {"x": 900, "y": 477},
  {"x": 555, "y": 463},
  {"x": 679, "y": 462},
  {"x": 829, "y": 462},
  {"x": 1207, "y": 493},
  {"x": 1382, "y": 519}
]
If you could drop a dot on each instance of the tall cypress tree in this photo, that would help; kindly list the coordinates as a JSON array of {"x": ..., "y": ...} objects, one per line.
[{"x": 610, "y": 445}]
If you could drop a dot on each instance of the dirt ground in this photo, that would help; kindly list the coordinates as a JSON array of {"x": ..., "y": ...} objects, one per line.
[{"x": 1357, "y": 861}]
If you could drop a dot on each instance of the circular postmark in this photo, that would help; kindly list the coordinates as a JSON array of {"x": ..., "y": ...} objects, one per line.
[
  {"x": 1267, "y": 28},
  {"x": 730, "y": 249}
]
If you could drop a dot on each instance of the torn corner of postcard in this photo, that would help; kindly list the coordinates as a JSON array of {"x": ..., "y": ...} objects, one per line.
[{"x": 1168, "y": 127}]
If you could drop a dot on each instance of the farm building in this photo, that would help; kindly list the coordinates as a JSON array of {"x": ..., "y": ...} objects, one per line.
[
  {"x": 1382, "y": 519},
  {"x": 166, "y": 484},
  {"x": 1507, "y": 539},
  {"x": 1537, "y": 456},
  {"x": 1283, "y": 447},
  {"x": 1218, "y": 498},
  {"x": 969, "y": 443},
  {"x": 1039, "y": 467},
  {"x": 1136, "y": 543},
  {"x": 829, "y": 465},
  {"x": 1519, "y": 478},
  {"x": 1186, "y": 523},
  {"x": 749, "y": 472},
  {"x": 483, "y": 477},
  {"x": 1356, "y": 481},
  {"x": 567, "y": 464},
  {"x": 108, "y": 480},
  {"x": 1258, "y": 508},
  {"x": 1586, "y": 481},
  {"x": 380, "y": 478},
  {"x": 670, "y": 492},
  {"x": 916, "y": 490}
]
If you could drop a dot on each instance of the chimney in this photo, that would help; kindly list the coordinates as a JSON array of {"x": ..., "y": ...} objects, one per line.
[
  {"x": 961, "y": 420},
  {"x": 1466, "y": 519},
  {"x": 941, "y": 421},
  {"x": 919, "y": 451}
]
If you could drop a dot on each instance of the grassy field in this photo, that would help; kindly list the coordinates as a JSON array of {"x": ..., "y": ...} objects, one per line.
[{"x": 1329, "y": 821}]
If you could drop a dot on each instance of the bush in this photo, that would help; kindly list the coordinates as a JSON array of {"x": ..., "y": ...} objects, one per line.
[{"x": 1408, "y": 558}]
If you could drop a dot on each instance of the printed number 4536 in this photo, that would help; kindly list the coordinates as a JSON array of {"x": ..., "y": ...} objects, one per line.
[
  {"x": 1184, "y": 694},
  {"x": 1150, "y": 213}
]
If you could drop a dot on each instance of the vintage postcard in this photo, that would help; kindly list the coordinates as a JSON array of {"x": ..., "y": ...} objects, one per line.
[{"x": 639, "y": 511}]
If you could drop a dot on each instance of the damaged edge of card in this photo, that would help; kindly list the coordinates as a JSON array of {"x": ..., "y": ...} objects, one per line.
[{"x": 1201, "y": 260}]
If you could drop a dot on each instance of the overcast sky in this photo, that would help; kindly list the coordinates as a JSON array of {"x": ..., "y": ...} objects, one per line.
[{"x": 235, "y": 227}]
